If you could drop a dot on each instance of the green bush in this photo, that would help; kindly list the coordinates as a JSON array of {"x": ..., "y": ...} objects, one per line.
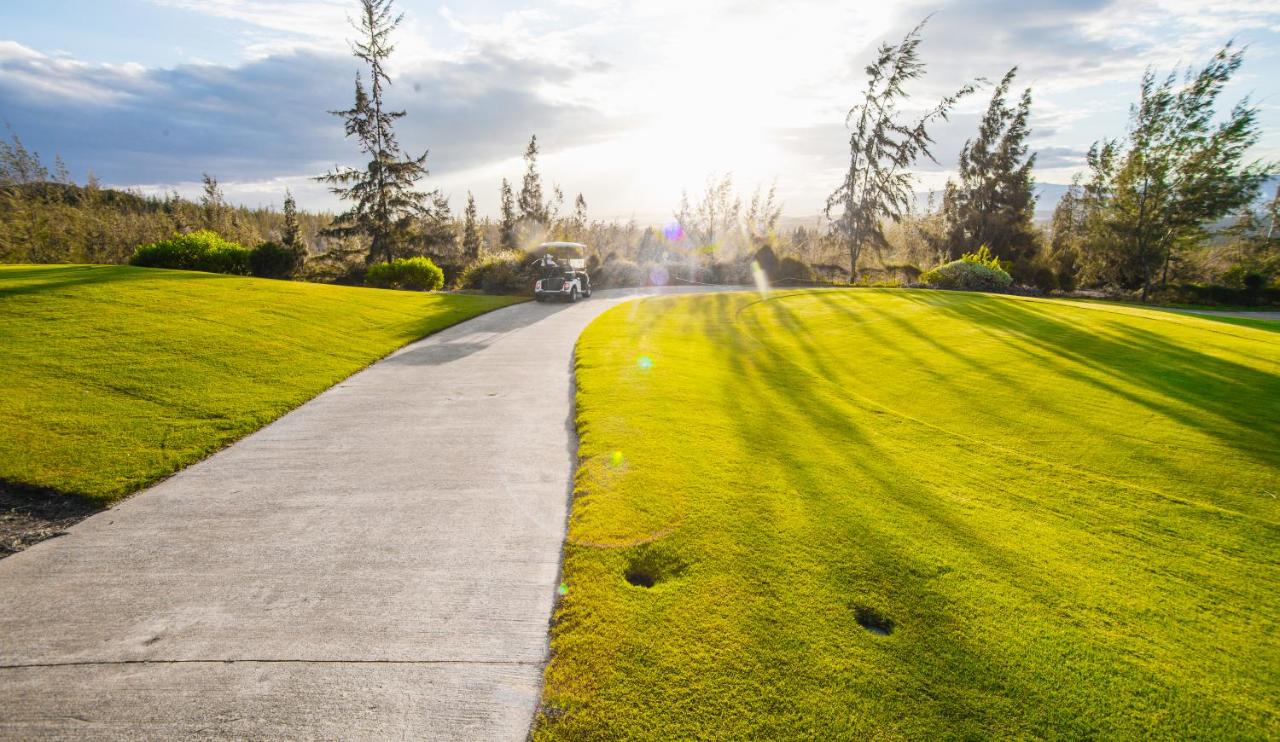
[
  {"x": 501, "y": 273},
  {"x": 967, "y": 275},
  {"x": 619, "y": 273},
  {"x": 795, "y": 271},
  {"x": 1034, "y": 272},
  {"x": 195, "y": 251},
  {"x": 985, "y": 257},
  {"x": 1216, "y": 294},
  {"x": 273, "y": 260},
  {"x": 412, "y": 274}
]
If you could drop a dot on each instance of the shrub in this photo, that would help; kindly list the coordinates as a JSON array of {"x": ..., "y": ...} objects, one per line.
[
  {"x": 1034, "y": 272},
  {"x": 195, "y": 251},
  {"x": 767, "y": 259},
  {"x": 733, "y": 273},
  {"x": 619, "y": 273},
  {"x": 1211, "y": 294},
  {"x": 984, "y": 257},
  {"x": 967, "y": 275},
  {"x": 412, "y": 274},
  {"x": 273, "y": 260},
  {"x": 795, "y": 270},
  {"x": 500, "y": 273}
]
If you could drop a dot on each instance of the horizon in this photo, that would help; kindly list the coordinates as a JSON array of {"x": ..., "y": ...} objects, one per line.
[{"x": 630, "y": 105}]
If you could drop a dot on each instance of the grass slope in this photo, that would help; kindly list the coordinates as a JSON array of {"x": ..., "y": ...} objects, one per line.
[
  {"x": 115, "y": 377},
  {"x": 1066, "y": 514}
]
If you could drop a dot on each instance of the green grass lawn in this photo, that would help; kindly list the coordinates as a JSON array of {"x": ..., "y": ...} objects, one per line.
[
  {"x": 115, "y": 377},
  {"x": 1065, "y": 514}
]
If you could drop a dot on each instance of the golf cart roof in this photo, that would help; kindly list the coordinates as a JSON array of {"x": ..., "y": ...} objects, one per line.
[{"x": 577, "y": 249}]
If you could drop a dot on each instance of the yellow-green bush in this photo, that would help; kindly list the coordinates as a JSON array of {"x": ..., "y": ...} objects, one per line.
[
  {"x": 204, "y": 250},
  {"x": 412, "y": 274}
]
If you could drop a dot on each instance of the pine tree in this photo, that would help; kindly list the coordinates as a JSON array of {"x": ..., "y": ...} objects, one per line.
[
  {"x": 291, "y": 233},
  {"x": 532, "y": 208},
  {"x": 578, "y": 224},
  {"x": 212, "y": 205},
  {"x": 994, "y": 202},
  {"x": 878, "y": 184},
  {"x": 435, "y": 236},
  {"x": 470, "y": 230},
  {"x": 386, "y": 203},
  {"x": 507, "y": 228},
  {"x": 1180, "y": 168}
]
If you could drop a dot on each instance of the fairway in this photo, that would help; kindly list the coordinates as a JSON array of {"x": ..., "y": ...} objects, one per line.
[
  {"x": 115, "y": 377},
  {"x": 914, "y": 515}
]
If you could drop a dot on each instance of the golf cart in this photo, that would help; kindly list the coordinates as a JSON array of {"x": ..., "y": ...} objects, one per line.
[{"x": 562, "y": 269}]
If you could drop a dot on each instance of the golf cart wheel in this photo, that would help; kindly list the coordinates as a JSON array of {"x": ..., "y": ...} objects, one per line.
[{"x": 573, "y": 295}]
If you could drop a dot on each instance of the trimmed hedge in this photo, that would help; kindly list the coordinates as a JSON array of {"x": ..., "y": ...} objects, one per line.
[
  {"x": 195, "y": 251},
  {"x": 412, "y": 274}
]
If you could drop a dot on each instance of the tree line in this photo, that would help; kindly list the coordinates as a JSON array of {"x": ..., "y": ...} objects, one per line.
[
  {"x": 1146, "y": 210},
  {"x": 1173, "y": 199}
]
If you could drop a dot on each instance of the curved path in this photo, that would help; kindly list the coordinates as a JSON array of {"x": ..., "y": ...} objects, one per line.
[{"x": 381, "y": 562}]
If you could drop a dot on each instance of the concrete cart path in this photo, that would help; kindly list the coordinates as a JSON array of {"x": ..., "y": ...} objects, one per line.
[{"x": 379, "y": 563}]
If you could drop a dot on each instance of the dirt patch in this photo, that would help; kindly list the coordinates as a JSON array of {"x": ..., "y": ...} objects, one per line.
[{"x": 29, "y": 515}]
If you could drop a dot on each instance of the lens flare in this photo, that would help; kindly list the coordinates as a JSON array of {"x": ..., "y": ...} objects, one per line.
[
  {"x": 673, "y": 232},
  {"x": 658, "y": 276},
  {"x": 563, "y": 589},
  {"x": 616, "y": 459},
  {"x": 762, "y": 281},
  {"x": 645, "y": 363}
]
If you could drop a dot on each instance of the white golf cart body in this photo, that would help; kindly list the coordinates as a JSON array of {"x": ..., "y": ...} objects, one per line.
[{"x": 564, "y": 274}]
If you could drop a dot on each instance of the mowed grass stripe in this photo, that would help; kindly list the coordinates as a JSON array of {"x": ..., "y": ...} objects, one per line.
[
  {"x": 1067, "y": 514},
  {"x": 115, "y": 377}
]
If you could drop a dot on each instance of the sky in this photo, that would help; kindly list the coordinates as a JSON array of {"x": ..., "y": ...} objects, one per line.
[{"x": 632, "y": 102}]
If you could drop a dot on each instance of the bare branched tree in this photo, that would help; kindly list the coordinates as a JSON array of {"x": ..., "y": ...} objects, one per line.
[{"x": 762, "y": 215}]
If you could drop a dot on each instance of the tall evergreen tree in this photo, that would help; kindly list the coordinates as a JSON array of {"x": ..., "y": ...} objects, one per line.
[
  {"x": 386, "y": 203},
  {"x": 507, "y": 227},
  {"x": 1179, "y": 169},
  {"x": 994, "y": 202},
  {"x": 579, "y": 214},
  {"x": 470, "y": 230},
  {"x": 291, "y": 232},
  {"x": 436, "y": 234},
  {"x": 532, "y": 207},
  {"x": 879, "y": 185},
  {"x": 212, "y": 205}
]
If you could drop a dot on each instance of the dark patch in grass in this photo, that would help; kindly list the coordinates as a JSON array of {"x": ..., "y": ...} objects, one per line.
[
  {"x": 29, "y": 515},
  {"x": 640, "y": 578},
  {"x": 872, "y": 620},
  {"x": 650, "y": 564}
]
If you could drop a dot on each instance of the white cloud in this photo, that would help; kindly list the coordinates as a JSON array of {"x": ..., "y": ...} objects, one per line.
[{"x": 632, "y": 101}]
